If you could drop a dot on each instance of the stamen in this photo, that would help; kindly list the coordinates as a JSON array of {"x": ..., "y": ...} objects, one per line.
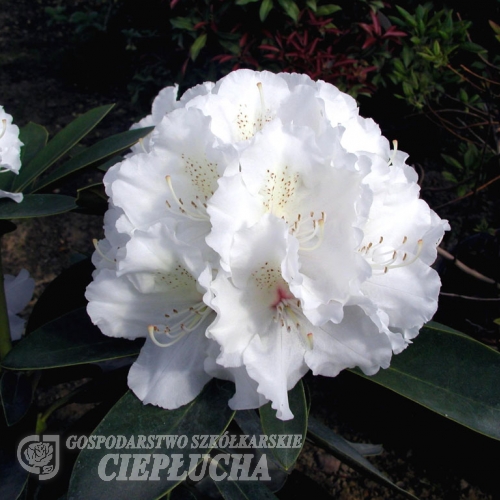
[
  {"x": 395, "y": 150},
  {"x": 310, "y": 340},
  {"x": 195, "y": 315},
  {"x": 4, "y": 128},
  {"x": 199, "y": 215},
  {"x": 100, "y": 252},
  {"x": 317, "y": 232},
  {"x": 391, "y": 258},
  {"x": 141, "y": 144},
  {"x": 262, "y": 101}
]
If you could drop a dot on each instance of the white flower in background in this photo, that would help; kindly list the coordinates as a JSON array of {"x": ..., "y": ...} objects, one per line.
[
  {"x": 262, "y": 230},
  {"x": 10, "y": 150},
  {"x": 18, "y": 292}
]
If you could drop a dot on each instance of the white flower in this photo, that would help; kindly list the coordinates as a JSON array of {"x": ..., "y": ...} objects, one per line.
[
  {"x": 18, "y": 292},
  {"x": 10, "y": 149},
  {"x": 282, "y": 225}
]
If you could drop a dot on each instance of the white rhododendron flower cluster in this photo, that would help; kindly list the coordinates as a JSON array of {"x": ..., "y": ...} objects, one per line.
[
  {"x": 262, "y": 230},
  {"x": 10, "y": 151}
]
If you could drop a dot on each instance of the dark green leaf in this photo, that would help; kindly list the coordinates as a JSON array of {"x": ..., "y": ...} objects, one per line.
[
  {"x": 324, "y": 437},
  {"x": 183, "y": 23},
  {"x": 63, "y": 295},
  {"x": 239, "y": 490},
  {"x": 108, "y": 164},
  {"x": 34, "y": 137},
  {"x": 244, "y": 2},
  {"x": 60, "y": 145},
  {"x": 290, "y": 8},
  {"x": 103, "y": 149},
  {"x": 327, "y": 10},
  {"x": 265, "y": 7},
  {"x": 13, "y": 477},
  {"x": 69, "y": 340},
  {"x": 207, "y": 414},
  {"x": 16, "y": 392},
  {"x": 92, "y": 199},
  {"x": 452, "y": 161},
  {"x": 297, "y": 426},
  {"x": 450, "y": 374},
  {"x": 473, "y": 47},
  {"x": 407, "y": 16},
  {"x": 36, "y": 205},
  {"x": 198, "y": 44},
  {"x": 311, "y": 4}
]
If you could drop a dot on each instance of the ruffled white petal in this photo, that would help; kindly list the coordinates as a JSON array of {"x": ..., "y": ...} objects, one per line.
[{"x": 18, "y": 292}]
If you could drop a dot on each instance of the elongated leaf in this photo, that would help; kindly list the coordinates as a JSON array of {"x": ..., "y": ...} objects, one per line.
[
  {"x": 109, "y": 163},
  {"x": 16, "y": 393},
  {"x": 36, "y": 205},
  {"x": 7, "y": 180},
  {"x": 239, "y": 490},
  {"x": 13, "y": 478},
  {"x": 324, "y": 437},
  {"x": 103, "y": 149},
  {"x": 450, "y": 374},
  {"x": 92, "y": 199},
  {"x": 265, "y": 7},
  {"x": 34, "y": 137},
  {"x": 59, "y": 145},
  {"x": 198, "y": 44},
  {"x": 287, "y": 456},
  {"x": 63, "y": 295},
  {"x": 207, "y": 414},
  {"x": 69, "y": 340}
]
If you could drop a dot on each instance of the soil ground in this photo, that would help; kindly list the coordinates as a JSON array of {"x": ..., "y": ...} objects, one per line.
[{"x": 423, "y": 453}]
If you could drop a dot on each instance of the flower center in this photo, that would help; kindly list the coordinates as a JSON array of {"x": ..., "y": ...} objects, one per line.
[
  {"x": 4, "y": 128},
  {"x": 195, "y": 209},
  {"x": 183, "y": 322},
  {"x": 383, "y": 257},
  {"x": 291, "y": 318},
  {"x": 247, "y": 127},
  {"x": 309, "y": 231}
]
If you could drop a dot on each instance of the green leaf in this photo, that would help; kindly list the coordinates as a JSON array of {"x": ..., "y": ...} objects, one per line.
[
  {"x": 297, "y": 426},
  {"x": 407, "y": 16},
  {"x": 451, "y": 374},
  {"x": 449, "y": 177},
  {"x": 207, "y": 414},
  {"x": 452, "y": 161},
  {"x": 16, "y": 393},
  {"x": 471, "y": 156},
  {"x": 36, "y": 205},
  {"x": 92, "y": 199},
  {"x": 290, "y": 8},
  {"x": 339, "y": 447},
  {"x": 311, "y": 4},
  {"x": 473, "y": 47},
  {"x": 34, "y": 137},
  {"x": 198, "y": 44},
  {"x": 244, "y": 2},
  {"x": 240, "y": 490},
  {"x": 13, "y": 478},
  {"x": 60, "y": 145},
  {"x": 104, "y": 167},
  {"x": 63, "y": 295},
  {"x": 265, "y": 7},
  {"x": 183, "y": 23},
  {"x": 97, "y": 152},
  {"x": 69, "y": 340},
  {"x": 326, "y": 10}
]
